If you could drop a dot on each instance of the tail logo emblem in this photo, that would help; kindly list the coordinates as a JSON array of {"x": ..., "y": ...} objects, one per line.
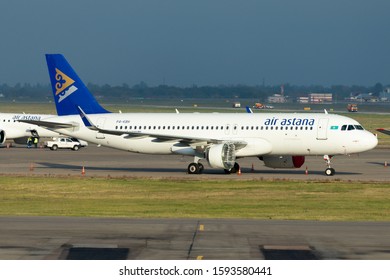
[{"x": 64, "y": 85}]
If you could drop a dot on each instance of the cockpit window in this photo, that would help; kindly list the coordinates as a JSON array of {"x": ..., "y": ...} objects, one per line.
[
  {"x": 359, "y": 127},
  {"x": 351, "y": 127}
]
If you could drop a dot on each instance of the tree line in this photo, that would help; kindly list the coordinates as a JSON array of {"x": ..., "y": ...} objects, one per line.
[{"x": 107, "y": 93}]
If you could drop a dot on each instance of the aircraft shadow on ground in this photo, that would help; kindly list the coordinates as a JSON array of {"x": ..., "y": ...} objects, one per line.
[
  {"x": 97, "y": 168},
  {"x": 275, "y": 172}
]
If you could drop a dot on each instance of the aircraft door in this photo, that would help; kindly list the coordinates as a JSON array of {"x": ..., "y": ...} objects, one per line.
[
  {"x": 100, "y": 124},
  {"x": 322, "y": 129}
]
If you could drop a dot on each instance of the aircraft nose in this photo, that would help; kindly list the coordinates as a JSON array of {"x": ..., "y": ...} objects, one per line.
[{"x": 370, "y": 141}]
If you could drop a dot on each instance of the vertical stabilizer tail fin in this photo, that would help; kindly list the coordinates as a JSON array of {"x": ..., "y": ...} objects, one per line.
[{"x": 68, "y": 89}]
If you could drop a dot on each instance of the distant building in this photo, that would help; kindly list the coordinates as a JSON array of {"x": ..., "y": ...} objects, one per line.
[
  {"x": 364, "y": 97},
  {"x": 277, "y": 98},
  {"x": 320, "y": 97},
  {"x": 385, "y": 95},
  {"x": 303, "y": 99}
]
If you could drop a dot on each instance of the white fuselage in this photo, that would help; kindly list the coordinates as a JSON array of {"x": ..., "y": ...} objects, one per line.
[
  {"x": 263, "y": 133},
  {"x": 12, "y": 129}
]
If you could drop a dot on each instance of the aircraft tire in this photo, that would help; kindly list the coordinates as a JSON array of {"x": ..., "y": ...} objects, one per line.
[
  {"x": 330, "y": 172},
  {"x": 235, "y": 168},
  {"x": 193, "y": 168},
  {"x": 201, "y": 168}
]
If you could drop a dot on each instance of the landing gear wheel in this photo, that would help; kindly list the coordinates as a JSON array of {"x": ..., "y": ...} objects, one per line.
[
  {"x": 201, "y": 168},
  {"x": 330, "y": 172},
  {"x": 234, "y": 169},
  {"x": 193, "y": 168}
]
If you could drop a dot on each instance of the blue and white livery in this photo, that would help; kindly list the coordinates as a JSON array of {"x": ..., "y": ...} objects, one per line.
[{"x": 281, "y": 140}]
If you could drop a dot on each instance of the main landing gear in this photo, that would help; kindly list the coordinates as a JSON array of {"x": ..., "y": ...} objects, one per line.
[
  {"x": 197, "y": 168},
  {"x": 235, "y": 169},
  {"x": 329, "y": 171}
]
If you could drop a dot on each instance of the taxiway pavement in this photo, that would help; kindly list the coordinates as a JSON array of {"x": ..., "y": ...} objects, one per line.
[
  {"x": 167, "y": 239},
  {"x": 101, "y": 161}
]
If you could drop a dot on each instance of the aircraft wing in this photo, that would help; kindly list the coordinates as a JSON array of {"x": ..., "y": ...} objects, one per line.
[
  {"x": 50, "y": 125},
  {"x": 383, "y": 130},
  {"x": 158, "y": 137}
]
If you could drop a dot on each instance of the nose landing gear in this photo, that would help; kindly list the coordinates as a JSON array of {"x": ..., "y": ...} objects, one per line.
[{"x": 329, "y": 171}]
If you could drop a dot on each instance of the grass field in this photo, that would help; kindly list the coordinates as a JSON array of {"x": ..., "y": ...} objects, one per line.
[{"x": 147, "y": 198}]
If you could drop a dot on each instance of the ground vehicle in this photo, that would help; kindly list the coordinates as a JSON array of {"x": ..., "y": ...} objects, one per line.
[
  {"x": 352, "y": 108},
  {"x": 65, "y": 143},
  {"x": 262, "y": 106}
]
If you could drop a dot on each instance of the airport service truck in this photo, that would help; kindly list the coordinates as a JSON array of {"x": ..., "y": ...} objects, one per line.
[{"x": 65, "y": 143}]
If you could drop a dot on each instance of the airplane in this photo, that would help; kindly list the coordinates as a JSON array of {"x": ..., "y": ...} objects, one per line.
[
  {"x": 12, "y": 129},
  {"x": 280, "y": 140}
]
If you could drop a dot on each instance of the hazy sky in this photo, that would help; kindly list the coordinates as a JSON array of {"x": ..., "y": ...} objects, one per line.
[{"x": 202, "y": 42}]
